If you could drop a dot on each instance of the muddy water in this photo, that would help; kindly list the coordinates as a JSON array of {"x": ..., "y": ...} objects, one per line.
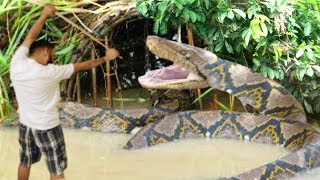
[{"x": 100, "y": 156}]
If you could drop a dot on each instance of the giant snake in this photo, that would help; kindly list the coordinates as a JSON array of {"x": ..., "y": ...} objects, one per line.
[{"x": 273, "y": 116}]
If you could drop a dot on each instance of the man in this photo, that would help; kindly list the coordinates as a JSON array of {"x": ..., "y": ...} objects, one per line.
[{"x": 36, "y": 83}]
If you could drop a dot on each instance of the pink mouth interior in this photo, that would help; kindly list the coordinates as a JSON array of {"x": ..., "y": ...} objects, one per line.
[
  {"x": 168, "y": 73},
  {"x": 172, "y": 77}
]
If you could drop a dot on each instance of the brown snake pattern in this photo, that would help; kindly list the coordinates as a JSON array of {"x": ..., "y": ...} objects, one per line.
[
  {"x": 81, "y": 116},
  {"x": 278, "y": 119}
]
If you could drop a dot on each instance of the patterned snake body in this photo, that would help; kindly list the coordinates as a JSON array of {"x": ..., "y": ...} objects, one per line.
[
  {"x": 273, "y": 116},
  {"x": 278, "y": 119},
  {"x": 80, "y": 116}
]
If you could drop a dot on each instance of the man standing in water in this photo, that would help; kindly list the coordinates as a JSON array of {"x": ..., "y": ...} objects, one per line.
[{"x": 36, "y": 83}]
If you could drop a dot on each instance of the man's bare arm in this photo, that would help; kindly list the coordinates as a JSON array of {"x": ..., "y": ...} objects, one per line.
[
  {"x": 111, "y": 54},
  {"x": 48, "y": 11},
  {"x": 88, "y": 65}
]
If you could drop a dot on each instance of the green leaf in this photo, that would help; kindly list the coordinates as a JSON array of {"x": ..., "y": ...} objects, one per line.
[
  {"x": 230, "y": 15},
  {"x": 264, "y": 70},
  {"x": 247, "y": 37},
  {"x": 178, "y": 12},
  {"x": 179, "y": 4},
  {"x": 270, "y": 73},
  {"x": 222, "y": 16},
  {"x": 222, "y": 106},
  {"x": 186, "y": 14},
  {"x": 262, "y": 42},
  {"x": 65, "y": 50},
  {"x": 3, "y": 60},
  {"x": 310, "y": 72},
  {"x": 218, "y": 46},
  {"x": 301, "y": 74},
  {"x": 201, "y": 16},
  {"x": 276, "y": 74},
  {"x": 300, "y": 53},
  {"x": 275, "y": 50},
  {"x": 264, "y": 29},
  {"x": 207, "y": 3},
  {"x": 307, "y": 106},
  {"x": 202, "y": 30},
  {"x": 309, "y": 52},
  {"x": 163, "y": 6},
  {"x": 163, "y": 28},
  {"x": 193, "y": 16},
  {"x": 143, "y": 9},
  {"x": 316, "y": 68},
  {"x": 240, "y": 12},
  {"x": 307, "y": 29},
  {"x": 256, "y": 62},
  {"x": 156, "y": 26},
  {"x": 229, "y": 47},
  {"x": 216, "y": 36}
]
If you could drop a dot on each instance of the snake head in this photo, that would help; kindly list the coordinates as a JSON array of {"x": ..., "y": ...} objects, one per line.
[{"x": 189, "y": 57}]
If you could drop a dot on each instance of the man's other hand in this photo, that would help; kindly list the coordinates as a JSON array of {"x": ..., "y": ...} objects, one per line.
[
  {"x": 112, "y": 53},
  {"x": 49, "y": 10}
]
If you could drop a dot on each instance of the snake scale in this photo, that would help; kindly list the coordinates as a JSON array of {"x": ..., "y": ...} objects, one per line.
[{"x": 273, "y": 116}]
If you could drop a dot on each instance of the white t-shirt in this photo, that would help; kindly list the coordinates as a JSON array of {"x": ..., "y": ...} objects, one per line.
[{"x": 37, "y": 89}]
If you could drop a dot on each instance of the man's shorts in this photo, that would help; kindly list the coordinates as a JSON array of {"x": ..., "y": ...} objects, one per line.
[{"x": 49, "y": 142}]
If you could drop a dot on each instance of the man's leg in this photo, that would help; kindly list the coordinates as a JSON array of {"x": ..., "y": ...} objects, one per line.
[
  {"x": 61, "y": 176},
  {"x": 52, "y": 146},
  {"x": 23, "y": 172},
  {"x": 29, "y": 152}
]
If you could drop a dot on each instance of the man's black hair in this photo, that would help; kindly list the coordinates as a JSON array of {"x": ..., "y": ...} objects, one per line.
[{"x": 40, "y": 44}]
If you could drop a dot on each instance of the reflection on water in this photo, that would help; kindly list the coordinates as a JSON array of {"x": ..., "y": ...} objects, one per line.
[{"x": 100, "y": 156}]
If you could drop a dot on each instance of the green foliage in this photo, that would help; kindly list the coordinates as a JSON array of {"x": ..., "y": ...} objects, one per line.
[
  {"x": 18, "y": 16},
  {"x": 279, "y": 38},
  {"x": 19, "y": 27}
]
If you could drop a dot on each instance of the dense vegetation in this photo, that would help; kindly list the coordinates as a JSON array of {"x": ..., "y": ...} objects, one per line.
[
  {"x": 279, "y": 38},
  {"x": 17, "y": 16}
]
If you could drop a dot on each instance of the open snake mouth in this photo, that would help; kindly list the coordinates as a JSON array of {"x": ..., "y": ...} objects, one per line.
[
  {"x": 174, "y": 76},
  {"x": 171, "y": 77}
]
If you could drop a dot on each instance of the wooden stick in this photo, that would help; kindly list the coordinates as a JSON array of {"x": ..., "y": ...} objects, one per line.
[
  {"x": 78, "y": 84},
  {"x": 215, "y": 99},
  {"x": 232, "y": 105},
  {"x": 190, "y": 36},
  {"x": 81, "y": 29},
  {"x": 94, "y": 81},
  {"x": 70, "y": 88},
  {"x": 179, "y": 34},
  {"x": 108, "y": 78}
]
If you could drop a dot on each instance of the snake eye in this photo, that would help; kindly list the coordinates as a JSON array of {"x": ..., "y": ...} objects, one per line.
[{"x": 183, "y": 53}]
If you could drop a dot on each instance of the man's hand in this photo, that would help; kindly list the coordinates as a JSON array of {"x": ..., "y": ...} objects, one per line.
[
  {"x": 49, "y": 10},
  {"x": 112, "y": 53}
]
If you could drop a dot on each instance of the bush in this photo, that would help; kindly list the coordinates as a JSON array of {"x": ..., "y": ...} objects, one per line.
[{"x": 279, "y": 38}]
